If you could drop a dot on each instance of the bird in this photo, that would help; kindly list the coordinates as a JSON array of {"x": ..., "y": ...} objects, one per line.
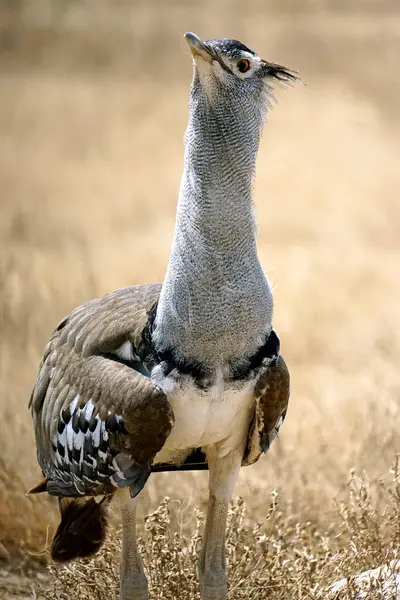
[{"x": 181, "y": 375}]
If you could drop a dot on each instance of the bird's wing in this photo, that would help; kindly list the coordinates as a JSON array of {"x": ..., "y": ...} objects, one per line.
[
  {"x": 99, "y": 420},
  {"x": 272, "y": 392}
]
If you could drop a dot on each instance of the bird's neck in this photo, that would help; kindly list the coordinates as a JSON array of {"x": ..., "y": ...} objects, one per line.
[{"x": 215, "y": 303}]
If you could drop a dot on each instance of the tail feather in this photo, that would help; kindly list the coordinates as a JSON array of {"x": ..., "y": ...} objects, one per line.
[
  {"x": 39, "y": 488},
  {"x": 82, "y": 529}
]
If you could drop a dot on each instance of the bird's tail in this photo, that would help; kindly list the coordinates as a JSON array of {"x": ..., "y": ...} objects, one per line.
[{"x": 82, "y": 529}]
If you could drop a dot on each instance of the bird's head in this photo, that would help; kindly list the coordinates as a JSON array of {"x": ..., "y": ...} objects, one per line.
[{"x": 227, "y": 72}]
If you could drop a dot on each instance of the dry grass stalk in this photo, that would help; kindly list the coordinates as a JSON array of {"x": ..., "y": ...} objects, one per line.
[{"x": 276, "y": 560}]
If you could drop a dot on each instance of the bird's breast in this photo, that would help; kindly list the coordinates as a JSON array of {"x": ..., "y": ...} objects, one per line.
[{"x": 219, "y": 415}]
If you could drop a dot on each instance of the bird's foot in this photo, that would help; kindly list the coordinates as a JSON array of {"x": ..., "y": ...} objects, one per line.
[
  {"x": 214, "y": 591},
  {"x": 213, "y": 585},
  {"x": 136, "y": 589}
]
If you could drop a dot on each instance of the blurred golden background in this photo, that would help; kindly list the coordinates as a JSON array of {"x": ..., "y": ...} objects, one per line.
[{"x": 93, "y": 107}]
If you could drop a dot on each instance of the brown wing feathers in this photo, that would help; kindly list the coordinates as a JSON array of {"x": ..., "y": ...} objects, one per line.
[
  {"x": 272, "y": 398},
  {"x": 98, "y": 422}
]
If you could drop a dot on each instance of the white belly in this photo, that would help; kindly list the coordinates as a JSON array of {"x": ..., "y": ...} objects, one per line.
[{"x": 220, "y": 417}]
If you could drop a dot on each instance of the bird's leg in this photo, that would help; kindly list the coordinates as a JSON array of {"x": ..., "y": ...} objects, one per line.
[
  {"x": 212, "y": 565},
  {"x": 133, "y": 580}
]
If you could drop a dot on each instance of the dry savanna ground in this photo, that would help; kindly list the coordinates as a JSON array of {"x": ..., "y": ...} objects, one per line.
[{"x": 93, "y": 100}]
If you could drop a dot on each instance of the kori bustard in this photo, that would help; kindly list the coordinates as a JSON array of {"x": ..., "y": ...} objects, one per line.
[{"x": 182, "y": 375}]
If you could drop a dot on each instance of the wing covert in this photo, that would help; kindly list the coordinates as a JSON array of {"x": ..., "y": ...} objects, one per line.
[
  {"x": 98, "y": 422},
  {"x": 272, "y": 393}
]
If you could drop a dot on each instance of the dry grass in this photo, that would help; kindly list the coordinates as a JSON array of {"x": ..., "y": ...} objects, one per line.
[
  {"x": 92, "y": 114},
  {"x": 279, "y": 559}
]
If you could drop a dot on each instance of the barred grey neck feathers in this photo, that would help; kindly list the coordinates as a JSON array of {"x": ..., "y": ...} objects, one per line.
[{"x": 216, "y": 304}]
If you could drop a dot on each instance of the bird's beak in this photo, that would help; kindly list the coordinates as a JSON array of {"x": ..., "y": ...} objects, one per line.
[{"x": 197, "y": 47}]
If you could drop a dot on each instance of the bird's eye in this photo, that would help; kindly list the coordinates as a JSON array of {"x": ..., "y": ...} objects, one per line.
[{"x": 243, "y": 65}]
